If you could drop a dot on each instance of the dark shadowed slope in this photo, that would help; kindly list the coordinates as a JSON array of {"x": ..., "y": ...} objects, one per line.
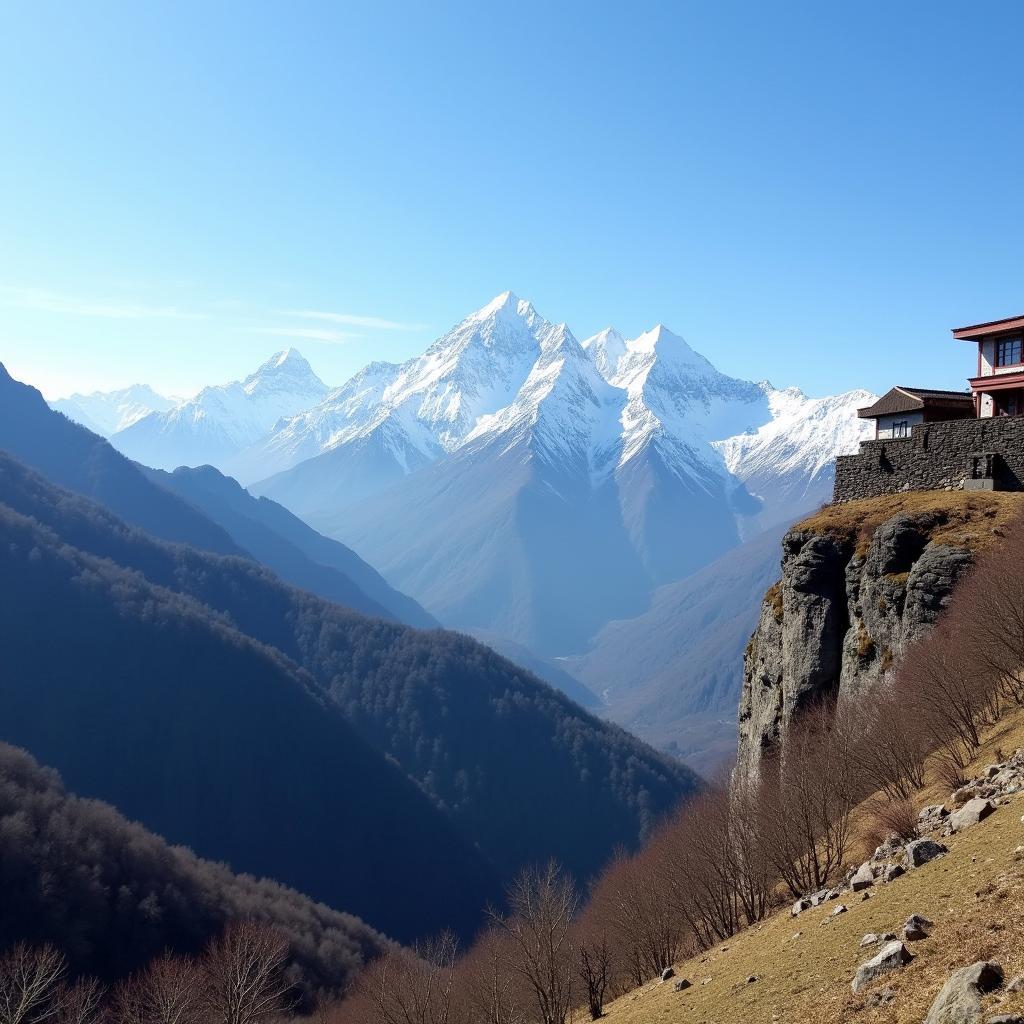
[
  {"x": 673, "y": 675},
  {"x": 133, "y": 896},
  {"x": 295, "y": 551},
  {"x": 525, "y": 773},
  {"x": 145, "y": 698},
  {"x": 75, "y": 458},
  {"x": 198, "y": 507}
]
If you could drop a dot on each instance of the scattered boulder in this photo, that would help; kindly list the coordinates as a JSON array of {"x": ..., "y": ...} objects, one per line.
[
  {"x": 801, "y": 905},
  {"x": 891, "y": 957},
  {"x": 933, "y": 811},
  {"x": 682, "y": 985},
  {"x": 891, "y": 872},
  {"x": 1006, "y": 1018},
  {"x": 841, "y": 909},
  {"x": 959, "y": 1001},
  {"x": 822, "y": 896},
  {"x": 970, "y": 814},
  {"x": 669, "y": 972},
  {"x": 920, "y": 851},
  {"x": 863, "y": 877},
  {"x": 916, "y": 928},
  {"x": 869, "y": 940}
]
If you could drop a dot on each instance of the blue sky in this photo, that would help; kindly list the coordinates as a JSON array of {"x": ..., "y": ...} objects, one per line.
[{"x": 813, "y": 193}]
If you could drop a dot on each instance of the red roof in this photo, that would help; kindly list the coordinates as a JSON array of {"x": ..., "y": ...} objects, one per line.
[{"x": 974, "y": 331}]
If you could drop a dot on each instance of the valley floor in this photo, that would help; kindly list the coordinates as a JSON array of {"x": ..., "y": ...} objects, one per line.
[{"x": 804, "y": 965}]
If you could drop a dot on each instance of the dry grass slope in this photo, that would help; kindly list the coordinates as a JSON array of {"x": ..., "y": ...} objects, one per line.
[
  {"x": 804, "y": 965},
  {"x": 957, "y": 518}
]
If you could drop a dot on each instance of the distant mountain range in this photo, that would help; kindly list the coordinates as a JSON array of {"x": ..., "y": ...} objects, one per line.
[
  {"x": 516, "y": 481},
  {"x": 519, "y": 484}
]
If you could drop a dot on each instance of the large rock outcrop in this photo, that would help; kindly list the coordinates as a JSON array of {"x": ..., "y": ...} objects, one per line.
[{"x": 859, "y": 583}]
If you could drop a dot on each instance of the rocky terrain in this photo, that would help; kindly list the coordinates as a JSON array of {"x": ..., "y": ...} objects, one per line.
[
  {"x": 859, "y": 582},
  {"x": 929, "y": 929}
]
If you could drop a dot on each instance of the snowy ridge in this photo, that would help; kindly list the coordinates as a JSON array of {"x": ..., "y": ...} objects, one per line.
[
  {"x": 506, "y": 377},
  {"x": 222, "y": 419},
  {"x": 106, "y": 412},
  {"x": 804, "y": 435}
]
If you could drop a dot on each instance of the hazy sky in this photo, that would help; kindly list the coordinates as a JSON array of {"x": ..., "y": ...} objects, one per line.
[{"x": 813, "y": 193}]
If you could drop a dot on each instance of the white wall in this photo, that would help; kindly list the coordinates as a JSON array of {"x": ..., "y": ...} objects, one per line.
[{"x": 886, "y": 423}]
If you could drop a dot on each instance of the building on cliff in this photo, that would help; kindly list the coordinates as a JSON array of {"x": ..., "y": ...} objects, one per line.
[{"x": 948, "y": 440}]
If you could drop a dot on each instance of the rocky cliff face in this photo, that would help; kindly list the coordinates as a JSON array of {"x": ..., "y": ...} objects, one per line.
[{"x": 859, "y": 583}]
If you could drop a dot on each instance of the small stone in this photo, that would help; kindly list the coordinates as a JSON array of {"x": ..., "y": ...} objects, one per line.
[
  {"x": 841, "y": 909},
  {"x": 1016, "y": 984},
  {"x": 882, "y": 997},
  {"x": 801, "y": 905},
  {"x": 706, "y": 981},
  {"x": 669, "y": 972},
  {"x": 891, "y": 957},
  {"x": 916, "y": 928},
  {"x": 1006, "y": 1018},
  {"x": 751, "y": 979},
  {"x": 682, "y": 984},
  {"x": 869, "y": 940}
]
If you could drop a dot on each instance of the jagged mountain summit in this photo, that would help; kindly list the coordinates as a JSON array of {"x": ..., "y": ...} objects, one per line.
[
  {"x": 222, "y": 420},
  {"x": 392, "y": 419},
  {"x": 516, "y": 480},
  {"x": 107, "y": 412}
]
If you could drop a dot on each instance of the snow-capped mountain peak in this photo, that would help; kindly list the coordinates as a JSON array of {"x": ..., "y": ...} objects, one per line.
[
  {"x": 106, "y": 412},
  {"x": 606, "y": 348},
  {"x": 223, "y": 419}
]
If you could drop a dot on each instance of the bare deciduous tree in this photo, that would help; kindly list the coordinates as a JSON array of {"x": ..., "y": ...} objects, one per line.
[
  {"x": 413, "y": 986},
  {"x": 593, "y": 968},
  {"x": 168, "y": 991},
  {"x": 30, "y": 984},
  {"x": 491, "y": 990},
  {"x": 243, "y": 974},
  {"x": 806, "y": 797},
  {"x": 542, "y": 903}
]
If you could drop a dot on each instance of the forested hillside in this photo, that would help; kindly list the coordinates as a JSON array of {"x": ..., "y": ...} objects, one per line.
[
  {"x": 152, "y": 701},
  {"x": 475, "y": 732},
  {"x": 133, "y": 896}
]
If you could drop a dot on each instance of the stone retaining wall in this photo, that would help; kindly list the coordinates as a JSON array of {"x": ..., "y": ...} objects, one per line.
[{"x": 951, "y": 455}]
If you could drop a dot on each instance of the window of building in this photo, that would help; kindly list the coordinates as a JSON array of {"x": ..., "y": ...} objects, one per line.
[
  {"x": 1009, "y": 404},
  {"x": 1008, "y": 351},
  {"x": 900, "y": 428}
]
